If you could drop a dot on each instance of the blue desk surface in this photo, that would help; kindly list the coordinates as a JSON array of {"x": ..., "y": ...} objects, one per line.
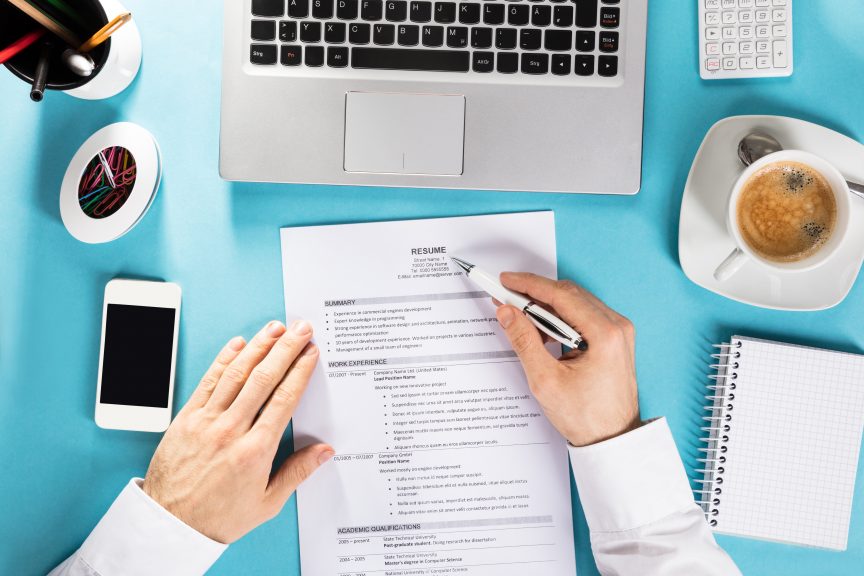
[{"x": 220, "y": 242}]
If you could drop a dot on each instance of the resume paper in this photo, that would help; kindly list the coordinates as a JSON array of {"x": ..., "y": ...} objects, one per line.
[{"x": 445, "y": 464}]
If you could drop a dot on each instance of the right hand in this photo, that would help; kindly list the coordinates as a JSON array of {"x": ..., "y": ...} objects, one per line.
[{"x": 588, "y": 396}]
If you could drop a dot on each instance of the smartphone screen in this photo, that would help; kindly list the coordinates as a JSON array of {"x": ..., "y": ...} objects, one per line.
[{"x": 136, "y": 363}]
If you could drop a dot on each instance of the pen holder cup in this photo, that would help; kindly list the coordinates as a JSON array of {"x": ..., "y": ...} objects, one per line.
[{"x": 116, "y": 60}]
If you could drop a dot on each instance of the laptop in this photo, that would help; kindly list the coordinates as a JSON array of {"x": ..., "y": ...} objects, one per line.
[{"x": 542, "y": 95}]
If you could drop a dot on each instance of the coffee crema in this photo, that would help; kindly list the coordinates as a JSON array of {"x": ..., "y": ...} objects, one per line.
[{"x": 786, "y": 211}]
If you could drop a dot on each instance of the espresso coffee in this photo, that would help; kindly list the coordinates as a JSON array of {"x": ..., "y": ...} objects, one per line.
[{"x": 786, "y": 211}]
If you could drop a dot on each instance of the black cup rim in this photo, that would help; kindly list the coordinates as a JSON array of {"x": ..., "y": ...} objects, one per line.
[{"x": 99, "y": 65}]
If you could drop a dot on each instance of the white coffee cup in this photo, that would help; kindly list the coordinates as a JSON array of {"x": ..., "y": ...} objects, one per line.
[{"x": 743, "y": 252}]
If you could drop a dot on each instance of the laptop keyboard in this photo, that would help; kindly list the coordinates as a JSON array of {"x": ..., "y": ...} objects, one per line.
[{"x": 570, "y": 38}]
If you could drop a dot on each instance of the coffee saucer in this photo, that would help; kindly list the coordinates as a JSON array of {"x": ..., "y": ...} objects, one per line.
[{"x": 704, "y": 242}]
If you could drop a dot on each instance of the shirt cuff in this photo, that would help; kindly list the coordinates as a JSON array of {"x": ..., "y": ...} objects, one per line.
[
  {"x": 631, "y": 480},
  {"x": 137, "y": 536}
]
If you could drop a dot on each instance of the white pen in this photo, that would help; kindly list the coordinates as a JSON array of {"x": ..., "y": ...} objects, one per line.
[{"x": 545, "y": 321}]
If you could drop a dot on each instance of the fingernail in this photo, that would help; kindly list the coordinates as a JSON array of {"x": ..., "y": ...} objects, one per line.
[
  {"x": 505, "y": 316},
  {"x": 275, "y": 329},
  {"x": 237, "y": 343},
  {"x": 325, "y": 456},
  {"x": 311, "y": 350},
  {"x": 301, "y": 327}
]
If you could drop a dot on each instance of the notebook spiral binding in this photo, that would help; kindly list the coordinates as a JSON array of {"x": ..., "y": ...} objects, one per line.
[{"x": 721, "y": 400}]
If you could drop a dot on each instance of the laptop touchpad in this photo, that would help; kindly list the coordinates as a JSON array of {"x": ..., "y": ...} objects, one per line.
[{"x": 404, "y": 133}]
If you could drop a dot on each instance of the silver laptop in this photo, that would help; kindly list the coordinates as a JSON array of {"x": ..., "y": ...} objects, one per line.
[{"x": 542, "y": 95}]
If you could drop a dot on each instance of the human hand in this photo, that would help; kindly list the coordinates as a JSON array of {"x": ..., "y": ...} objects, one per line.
[
  {"x": 213, "y": 468},
  {"x": 588, "y": 396}
]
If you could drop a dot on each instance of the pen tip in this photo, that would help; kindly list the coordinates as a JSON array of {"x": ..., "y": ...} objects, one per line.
[{"x": 583, "y": 345}]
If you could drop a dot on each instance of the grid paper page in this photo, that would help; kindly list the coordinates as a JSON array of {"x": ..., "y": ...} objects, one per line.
[{"x": 794, "y": 439}]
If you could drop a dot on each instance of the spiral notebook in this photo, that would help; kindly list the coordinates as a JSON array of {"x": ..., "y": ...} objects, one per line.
[{"x": 783, "y": 434}]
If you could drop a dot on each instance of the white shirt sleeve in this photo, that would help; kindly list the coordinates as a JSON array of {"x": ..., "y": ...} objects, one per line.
[
  {"x": 640, "y": 508},
  {"x": 138, "y": 537}
]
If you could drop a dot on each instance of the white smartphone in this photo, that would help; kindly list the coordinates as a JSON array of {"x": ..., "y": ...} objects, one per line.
[{"x": 140, "y": 322}]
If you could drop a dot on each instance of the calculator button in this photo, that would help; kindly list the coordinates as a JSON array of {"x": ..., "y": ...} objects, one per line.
[
  {"x": 730, "y": 63},
  {"x": 730, "y": 48},
  {"x": 778, "y": 15},
  {"x": 745, "y": 32},
  {"x": 779, "y": 31},
  {"x": 712, "y": 64},
  {"x": 746, "y": 63},
  {"x": 761, "y": 3},
  {"x": 763, "y": 47},
  {"x": 745, "y": 3},
  {"x": 728, "y": 4},
  {"x": 712, "y": 18},
  {"x": 780, "y": 55},
  {"x": 263, "y": 54},
  {"x": 730, "y": 33},
  {"x": 763, "y": 32},
  {"x": 746, "y": 48},
  {"x": 745, "y": 17},
  {"x": 712, "y": 33},
  {"x": 763, "y": 16},
  {"x": 729, "y": 18},
  {"x": 712, "y": 48},
  {"x": 712, "y": 4},
  {"x": 763, "y": 62},
  {"x": 779, "y": 2}
]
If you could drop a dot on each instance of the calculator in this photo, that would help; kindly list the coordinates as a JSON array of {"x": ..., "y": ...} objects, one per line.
[{"x": 745, "y": 38}]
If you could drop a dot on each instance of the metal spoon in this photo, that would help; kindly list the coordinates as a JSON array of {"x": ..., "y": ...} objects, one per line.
[{"x": 756, "y": 145}]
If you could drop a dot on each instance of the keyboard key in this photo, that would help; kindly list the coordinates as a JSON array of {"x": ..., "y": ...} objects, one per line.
[
  {"x": 529, "y": 39},
  {"x": 292, "y": 55},
  {"x": 298, "y": 8},
  {"x": 483, "y": 61},
  {"x": 359, "y": 33},
  {"x": 287, "y": 31},
  {"x": 585, "y": 41},
  {"x": 263, "y": 54},
  {"x": 310, "y": 32},
  {"x": 608, "y": 41},
  {"x": 322, "y": 9},
  {"x": 493, "y": 13},
  {"x": 561, "y": 64},
  {"x": 396, "y": 10},
  {"x": 457, "y": 36},
  {"x": 609, "y": 17},
  {"x": 314, "y": 55},
  {"x": 346, "y": 9},
  {"x": 383, "y": 34},
  {"x": 558, "y": 40},
  {"x": 505, "y": 38},
  {"x": 518, "y": 14},
  {"x": 421, "y": 11},
  {"x": 337, "y": 56},
  {"x": 268, "y": 7},
  {"x": 445, "y": 12},
  {"x": 263, "y": 30},
  {"x": 481, "y": 37},
  {"x": 586, "y": 14},
  {"x": 433, "y": 35},
  {"x": 563, "y": 16},
  {"x": 334, "y": 32},
  {"x": 607, "y": 65},
  {"x": 508, "y": 62},
  {"x": 408, "y": 35},
  {"x": 469, "y": 13},
  {"x": 371, "y": 10},
  {"x": 541, "y": 15},
  {"x": 535, "y": 63},
  {"x": 583, "y": 64},
  {"x": 780, "y": 54},
  {"x": 411, "y": 59}
]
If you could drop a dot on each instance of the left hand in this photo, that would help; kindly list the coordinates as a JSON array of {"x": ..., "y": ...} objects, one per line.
[{"x": 213, "y": 468}]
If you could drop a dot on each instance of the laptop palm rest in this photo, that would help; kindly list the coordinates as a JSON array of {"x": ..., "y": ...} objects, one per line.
[{"x": 404, "y": 133}]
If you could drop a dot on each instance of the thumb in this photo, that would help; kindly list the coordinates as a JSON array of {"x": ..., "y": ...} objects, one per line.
[
  {"x": 296, "y": 469},
  {"x": 526, "y": 341}
]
